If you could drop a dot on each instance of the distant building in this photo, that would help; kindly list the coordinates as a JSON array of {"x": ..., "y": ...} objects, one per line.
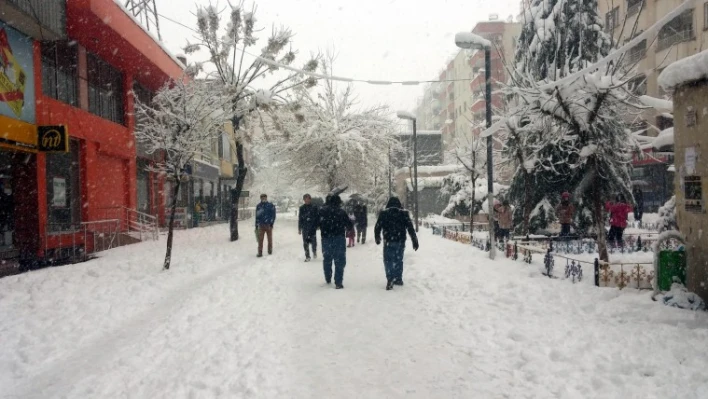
[{"x": 429, "y": 151}]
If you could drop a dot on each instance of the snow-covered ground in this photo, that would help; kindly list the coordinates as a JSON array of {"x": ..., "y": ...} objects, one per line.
[{"x": 223, "y": 323}]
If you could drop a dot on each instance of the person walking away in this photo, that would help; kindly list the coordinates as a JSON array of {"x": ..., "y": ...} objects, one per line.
[
  {"x": 565, "y": 212},
  {"x": 333, "y": 223},
  {"x": 504, "y": 218},
  {"x": 265, "y": 219},
  {"x": 362, "y": 222},
  {"x": 351, "y": 232},
  {"x": 639, "y": 209},
  {"x": 618, "y": 219},
  {"x": 394, "y": 221},
  {"x": 307, "y": 226}
]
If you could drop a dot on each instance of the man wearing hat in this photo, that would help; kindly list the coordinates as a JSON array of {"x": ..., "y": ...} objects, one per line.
[{"x": 333, "y": 222}]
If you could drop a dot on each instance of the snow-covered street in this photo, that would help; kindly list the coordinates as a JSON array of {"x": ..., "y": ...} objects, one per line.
[{"x": 223, "y": 323}]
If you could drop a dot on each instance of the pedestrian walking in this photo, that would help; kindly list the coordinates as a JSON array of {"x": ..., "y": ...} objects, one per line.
[
  {"x": 639, "y": 201},
  {"x": 307, "y": 226},
  {"x": 265, "y": 219},
  {"x": 618, "y": 219},
  {"x": 504, "y": 217},
  {"x": 394, "y": 221},
  {"x": 351, "y": 231},
  {"x": 333, "y": 223},
  {"x": 362, "y": 222},
  {"x": 565, "y": 212}
]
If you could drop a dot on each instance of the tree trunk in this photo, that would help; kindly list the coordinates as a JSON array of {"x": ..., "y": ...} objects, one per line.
[
  {"x": 599, "y": 214},
  {"x": 472, "y": 212},
  {"x": 240, "y": 179},
  {"x": 171, "y": 224},
  {"x": 527, "y": 202}
]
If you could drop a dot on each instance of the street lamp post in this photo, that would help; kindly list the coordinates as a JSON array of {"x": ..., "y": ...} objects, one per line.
[
  {"x": 408, "y": 116},
  {"x": 468, "y": 40}
]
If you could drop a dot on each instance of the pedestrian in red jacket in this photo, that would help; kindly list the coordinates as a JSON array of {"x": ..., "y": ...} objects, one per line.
[{"x": 618, "y": 219}]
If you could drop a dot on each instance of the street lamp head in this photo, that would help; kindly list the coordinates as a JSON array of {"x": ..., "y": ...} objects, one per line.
[
  {"x": 405, "y": 115},
  {"x": 468, "y": 40}
]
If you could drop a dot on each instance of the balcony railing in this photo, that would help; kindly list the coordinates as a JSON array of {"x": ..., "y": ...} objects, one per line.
[{"x": 49, "y": 14}]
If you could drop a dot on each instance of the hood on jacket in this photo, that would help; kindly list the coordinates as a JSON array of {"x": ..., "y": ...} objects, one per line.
[
  {"x": 334, "y": 200},
  {"x": 394, "y": 202}
]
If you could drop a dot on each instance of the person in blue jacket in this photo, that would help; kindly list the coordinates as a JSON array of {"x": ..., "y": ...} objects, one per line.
[{"x": 265, "y": 218}]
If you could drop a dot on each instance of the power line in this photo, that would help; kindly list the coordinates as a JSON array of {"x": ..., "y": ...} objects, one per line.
[{"x": 329, "y": 77}]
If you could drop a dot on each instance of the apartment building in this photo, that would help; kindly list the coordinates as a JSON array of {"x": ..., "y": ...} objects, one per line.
[
  {"x": 685, "y": 35},
  {"x": 456, "y": 105}
]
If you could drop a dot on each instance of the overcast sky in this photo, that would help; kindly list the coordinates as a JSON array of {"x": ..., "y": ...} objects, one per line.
[{"x": 374, "y": 39}]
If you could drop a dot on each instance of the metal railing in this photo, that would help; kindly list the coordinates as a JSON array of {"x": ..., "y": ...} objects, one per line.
[
  {"x": 139, "y": 225},
  {"x": 74, "y": 242}
]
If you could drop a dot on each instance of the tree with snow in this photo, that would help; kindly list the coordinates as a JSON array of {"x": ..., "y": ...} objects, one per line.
[
  {"x": 574, "y": 129},
  {"x": 239, "y": 72},
  {"x": 326, "y": 139},
  {"x": 179, "y": 125},
  {"x": 463, "y": 186}
]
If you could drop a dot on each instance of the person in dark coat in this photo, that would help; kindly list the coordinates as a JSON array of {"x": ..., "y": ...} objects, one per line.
[
  {"x": 307, "y": 226},
  {"x": 565, "y": 211},
  {"x": 394, "y": 222},
  {"x": 639, "y": 201},
  {"x": 333, "y": 222},
  {"x": 362, "y": 222},
  {"x": 265, "y": 219}
]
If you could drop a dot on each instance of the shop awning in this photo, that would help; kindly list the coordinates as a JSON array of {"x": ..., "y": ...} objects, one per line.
[{"x": 17, "y": 135}]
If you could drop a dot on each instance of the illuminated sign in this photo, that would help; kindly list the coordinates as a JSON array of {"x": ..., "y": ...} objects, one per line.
[{"x": 52, "y": 138}]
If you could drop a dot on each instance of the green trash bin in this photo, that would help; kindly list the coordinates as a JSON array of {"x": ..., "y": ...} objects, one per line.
[{"x": 671, "y": 264}]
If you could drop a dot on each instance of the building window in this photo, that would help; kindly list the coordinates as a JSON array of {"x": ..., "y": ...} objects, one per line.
[
  {"x": 63, "y": 190},
  {"x": 637, "y": 52},
  {"x": 612, "y": 20},
  {"x": 105, "y": 86},
  {"x": 638, "y": 85},
  {"x": 664, "y": 122},
  {"x": 679, "y": 29},
  {"x": 225, "y": 148},
  {"x": 59, "y": 71},
  {"x": 633, "y": 6}
]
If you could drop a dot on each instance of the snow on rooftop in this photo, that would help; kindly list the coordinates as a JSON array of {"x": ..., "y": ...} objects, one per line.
[{"x": 689, "y": 69}]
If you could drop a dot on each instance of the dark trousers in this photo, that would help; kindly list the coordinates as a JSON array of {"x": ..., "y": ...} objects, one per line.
[
  {"x": 307, "y": 240},
  {"x": 638, "y": 213},
  {"x": 265, "y": 230},
  {"x": 334, "y": 249},
  {"x": 615, "y": 236},
  {"x": 393, "y": 259},
  {"x": 565, "y": 230},
  {"x": 361, "y": 234},
  {"x": 503, "y": 233}
]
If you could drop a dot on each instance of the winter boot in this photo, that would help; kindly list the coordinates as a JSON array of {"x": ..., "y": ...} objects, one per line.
[
  {"x": 389, "y": 285},
  {"x": 398, "y": 281},
  {"x": 259, "y": 255},
  {"x": 307, "y": 259},
  {"x": 339, "y": 286}
]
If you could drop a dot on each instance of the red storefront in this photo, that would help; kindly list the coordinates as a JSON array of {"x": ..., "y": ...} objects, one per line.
[{"x": 86, "y": 81}]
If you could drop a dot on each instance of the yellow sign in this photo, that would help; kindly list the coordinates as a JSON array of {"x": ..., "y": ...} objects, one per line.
[{"x": 17, "y": 135}]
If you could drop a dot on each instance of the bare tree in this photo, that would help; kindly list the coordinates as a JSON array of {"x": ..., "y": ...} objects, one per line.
[
  {"x": 178, "y": 125},
  {"x": 228, "y": 45}
]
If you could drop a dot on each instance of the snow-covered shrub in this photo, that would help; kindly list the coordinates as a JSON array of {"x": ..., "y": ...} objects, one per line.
[
  {"x": 667, "y": 216},
  {"x": 680, "y": 297}
]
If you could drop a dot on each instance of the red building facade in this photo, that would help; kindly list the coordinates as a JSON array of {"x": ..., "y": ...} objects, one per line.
[{"x": 86, "y": 79}]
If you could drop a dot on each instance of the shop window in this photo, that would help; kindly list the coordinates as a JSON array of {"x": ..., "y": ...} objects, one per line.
[
  {"x": 105, "y": 86},
  {"x": 63, "y": 190},
  {"x": 59, "y": 71},
  {"x": 679, "y": 29}
]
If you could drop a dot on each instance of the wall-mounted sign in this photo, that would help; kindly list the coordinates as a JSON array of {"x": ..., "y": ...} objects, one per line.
[
  {"x": 52, "y": 139},
  {"x": 690, "y": 160},
  {"x": 16, "y": 75},
  {"x": 693, "y": 193},
  {"x": 691, "y": 117}
]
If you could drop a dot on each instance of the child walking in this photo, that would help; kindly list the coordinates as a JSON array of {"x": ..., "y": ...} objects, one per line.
[{"x": 351, "y": 232}]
